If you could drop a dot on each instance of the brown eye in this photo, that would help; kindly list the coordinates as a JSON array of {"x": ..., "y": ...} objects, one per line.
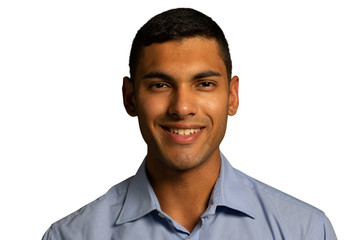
[
  {"x": 206, "y": 84},
  {"x": 158, "y": 85}
]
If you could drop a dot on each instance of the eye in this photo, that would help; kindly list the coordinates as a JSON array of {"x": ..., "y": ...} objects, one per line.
[
  {"x": 158, "y": 85},
  {"x": 206, "y": 84}
]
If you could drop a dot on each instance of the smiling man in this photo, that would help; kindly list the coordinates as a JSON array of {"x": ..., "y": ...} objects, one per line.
[{"x": 181, "y": 90}]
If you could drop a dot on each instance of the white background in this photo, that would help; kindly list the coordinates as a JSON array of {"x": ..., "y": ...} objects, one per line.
[{"x": 65, "y": 138}]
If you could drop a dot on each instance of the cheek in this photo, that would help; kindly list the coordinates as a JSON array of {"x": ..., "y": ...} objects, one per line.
[
  {"x": 216, "y": 111},
  {"x": 216, "y": 108},
  {"x": 150, "y": 109}
]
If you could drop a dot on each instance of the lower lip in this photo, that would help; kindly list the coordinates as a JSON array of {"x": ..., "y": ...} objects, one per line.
[{"x": 183, "y": 139}]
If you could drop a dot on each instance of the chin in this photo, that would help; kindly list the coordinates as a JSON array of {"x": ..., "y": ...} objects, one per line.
[{"x": 184, "y": 162}]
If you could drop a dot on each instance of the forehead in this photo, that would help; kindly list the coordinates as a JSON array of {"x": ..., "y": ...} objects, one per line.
[{"x": 180, "y": 57}]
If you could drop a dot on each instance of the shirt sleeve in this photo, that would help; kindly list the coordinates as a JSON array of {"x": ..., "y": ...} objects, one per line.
[
  {"x": 329, "y": 233},
  {"x": 49, "y": 235}
]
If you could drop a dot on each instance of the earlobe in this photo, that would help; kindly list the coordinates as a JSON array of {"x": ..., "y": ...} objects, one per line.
[
  {"x": 129, "y": 97},
  {"x": 233, "y": 96}
]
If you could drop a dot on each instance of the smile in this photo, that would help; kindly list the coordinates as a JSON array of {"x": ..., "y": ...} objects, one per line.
[
  {"x": 182, "y": 134},
  {"x": 182, "y": 131}
]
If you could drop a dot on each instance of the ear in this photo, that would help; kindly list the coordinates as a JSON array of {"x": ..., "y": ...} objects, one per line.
[
  {"x": 233, "y": 96},
  {"x": 129, "y": 97}
]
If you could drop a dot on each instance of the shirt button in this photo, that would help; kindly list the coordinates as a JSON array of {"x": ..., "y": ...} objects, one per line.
[{"x": 161, "y": 215}]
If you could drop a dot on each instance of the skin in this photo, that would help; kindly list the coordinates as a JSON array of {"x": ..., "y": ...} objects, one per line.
[{"x": 182, "y": 84}]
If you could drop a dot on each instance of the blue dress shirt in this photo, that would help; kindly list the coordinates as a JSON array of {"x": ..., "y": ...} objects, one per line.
[{"x": 240, "y": 207}]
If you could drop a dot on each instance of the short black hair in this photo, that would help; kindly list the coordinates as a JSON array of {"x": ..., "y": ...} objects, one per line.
[{"x": 177, "y": 24}]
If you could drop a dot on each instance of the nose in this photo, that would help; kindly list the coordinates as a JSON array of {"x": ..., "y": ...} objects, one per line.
[{"x": 182, "y": 103}]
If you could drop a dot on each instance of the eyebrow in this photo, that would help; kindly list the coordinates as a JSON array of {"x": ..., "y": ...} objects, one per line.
[
  {"x": 160, "y": 75},
  {"x": 207, "y": 74},
  {"x": 165, "y": 76}
]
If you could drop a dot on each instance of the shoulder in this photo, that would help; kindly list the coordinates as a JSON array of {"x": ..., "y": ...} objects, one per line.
[
  {"x": 262, "y": 199},
  {"x": 277, "y": 198},
  {"x": 285, "y": 214},
  {"x": 99, "y": 214}
]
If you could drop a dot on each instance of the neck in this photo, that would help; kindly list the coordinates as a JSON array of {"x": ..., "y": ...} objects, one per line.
[{"x": 184, "y": 194}]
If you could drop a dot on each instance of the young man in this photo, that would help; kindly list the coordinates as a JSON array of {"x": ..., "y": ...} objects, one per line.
[{"x": 182, "y": 91}]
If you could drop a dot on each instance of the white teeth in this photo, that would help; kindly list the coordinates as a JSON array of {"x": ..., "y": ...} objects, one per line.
[{"x": 182, "y": 131}]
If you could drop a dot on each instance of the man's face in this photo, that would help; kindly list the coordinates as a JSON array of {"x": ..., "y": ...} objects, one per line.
[{"x": 182, "y": 98}]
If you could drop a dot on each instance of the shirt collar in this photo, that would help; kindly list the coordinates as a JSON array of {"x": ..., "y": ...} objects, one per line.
[
  {"x": 232, "y": 190},
  {"x": 140, "y": 198}
]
